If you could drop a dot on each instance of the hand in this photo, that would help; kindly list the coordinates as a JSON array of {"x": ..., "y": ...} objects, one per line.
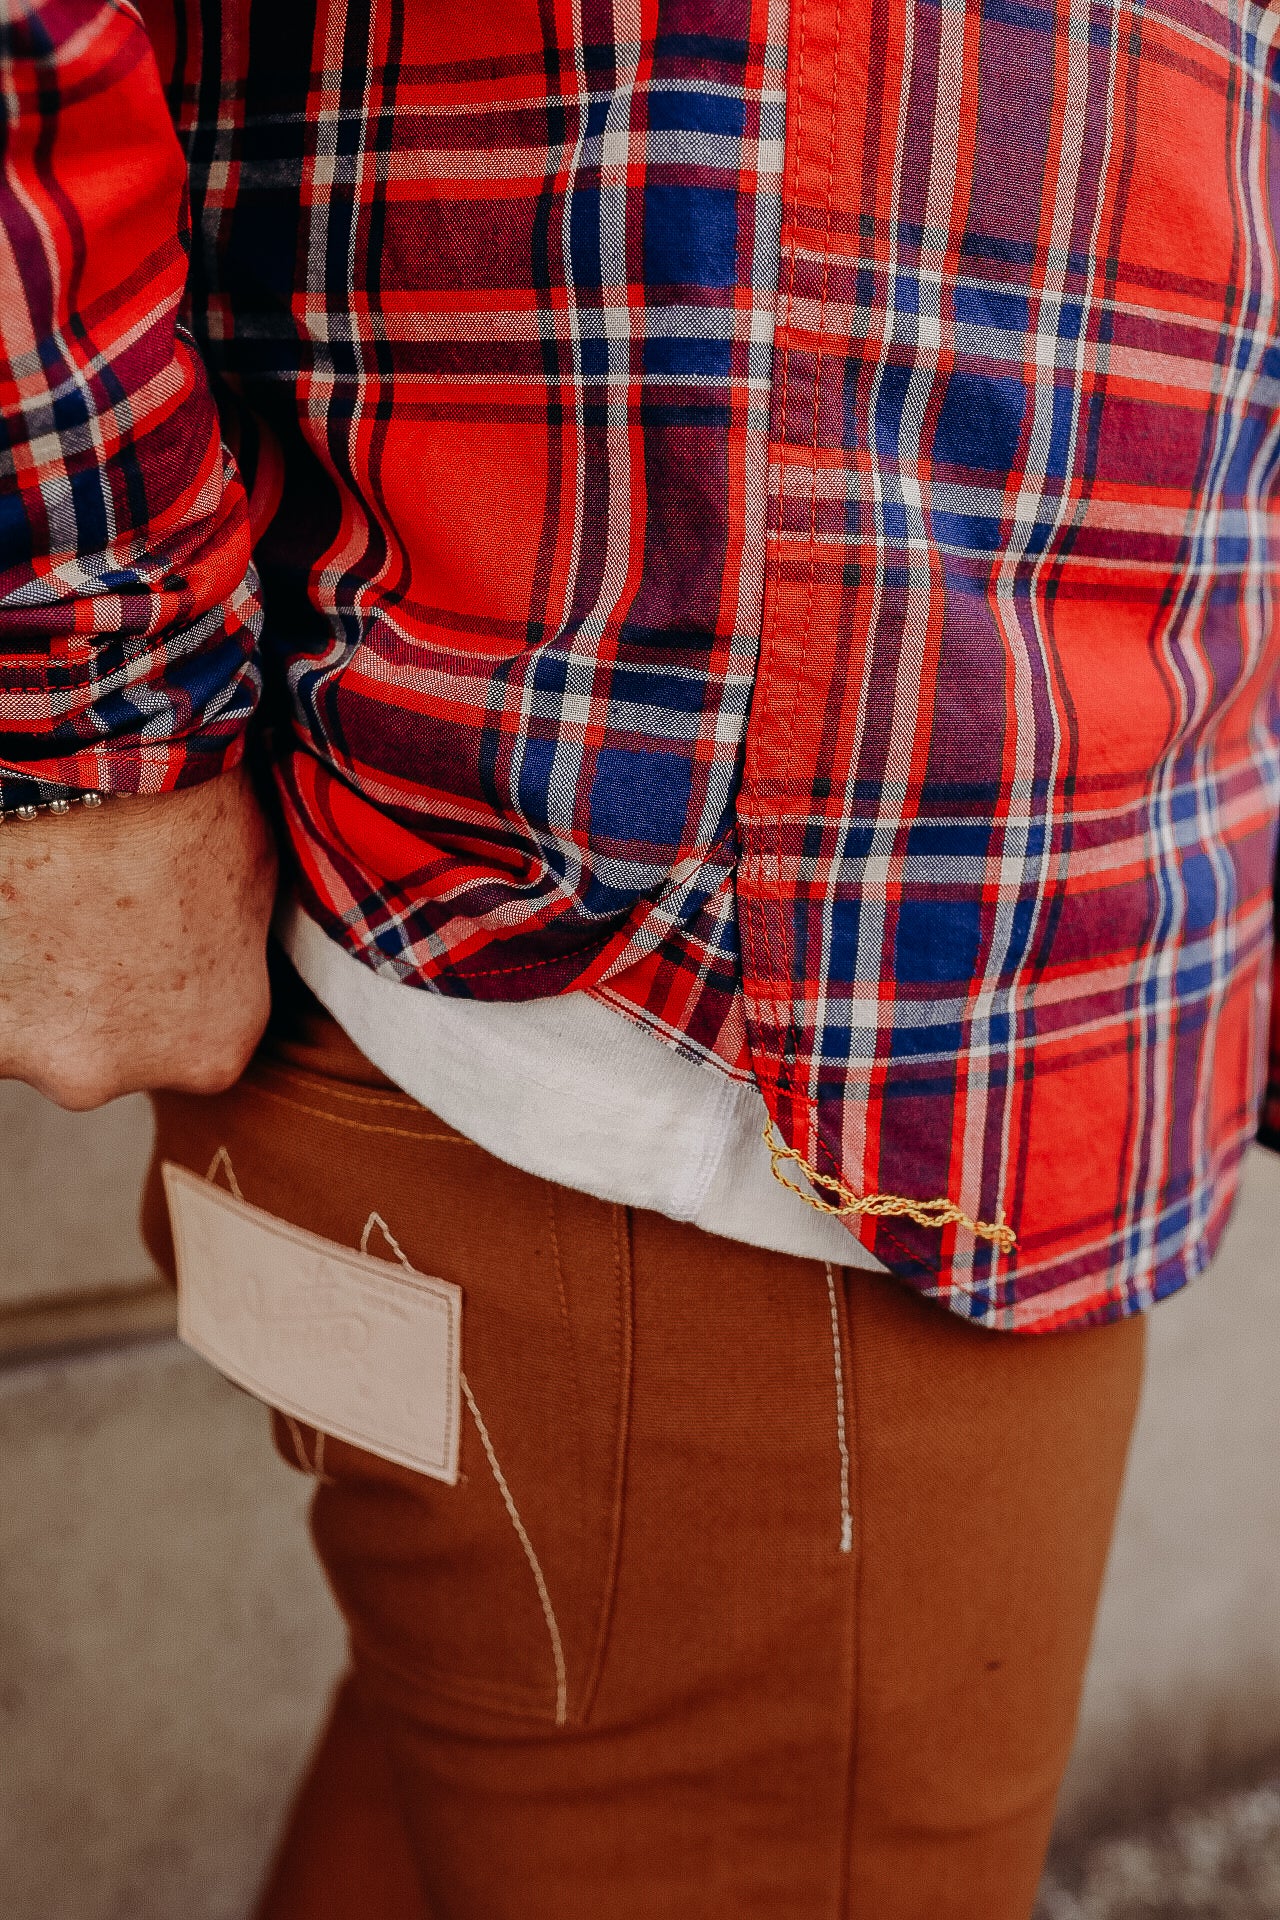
[{"x": 133, "y": 943}]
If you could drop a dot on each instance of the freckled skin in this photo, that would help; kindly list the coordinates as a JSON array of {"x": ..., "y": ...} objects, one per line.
[{"x": 93, "y": 1004}]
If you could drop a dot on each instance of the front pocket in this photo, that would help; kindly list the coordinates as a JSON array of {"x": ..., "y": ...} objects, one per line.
[
  {"x": 491, "y": 1598},
  {"x": 495, "y": 1594}
]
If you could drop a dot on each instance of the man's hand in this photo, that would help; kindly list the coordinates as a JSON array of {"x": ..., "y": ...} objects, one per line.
[{"x": 133, "y": 943}]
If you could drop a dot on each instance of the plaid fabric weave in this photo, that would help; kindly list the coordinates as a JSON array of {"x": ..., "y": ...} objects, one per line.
[
  {"x": 1009, "y": 813},
  {"x": 128, "y": 604},
  {"x": 517, "y": 354},
  {"x": 886, "y": 710}
]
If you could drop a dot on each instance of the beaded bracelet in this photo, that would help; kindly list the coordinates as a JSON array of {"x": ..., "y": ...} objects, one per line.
[{"x": 32, "y": 809}]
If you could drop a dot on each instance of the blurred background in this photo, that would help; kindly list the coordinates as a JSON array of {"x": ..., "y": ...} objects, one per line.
[{"x": 167, "y": 1646}]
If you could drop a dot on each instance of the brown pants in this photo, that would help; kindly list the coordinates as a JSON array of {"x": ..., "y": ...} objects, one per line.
[{"x": 822, "y": 1561}]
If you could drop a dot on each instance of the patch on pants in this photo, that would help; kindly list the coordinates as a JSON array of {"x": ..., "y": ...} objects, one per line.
[{"x": 351, "y": 1345}]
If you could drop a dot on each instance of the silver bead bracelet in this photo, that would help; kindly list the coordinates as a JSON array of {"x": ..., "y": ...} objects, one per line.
[{"x": 33, "y": 811}]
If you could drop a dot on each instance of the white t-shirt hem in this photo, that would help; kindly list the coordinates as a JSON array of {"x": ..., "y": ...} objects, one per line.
[{"x": 572, "y": 1091}]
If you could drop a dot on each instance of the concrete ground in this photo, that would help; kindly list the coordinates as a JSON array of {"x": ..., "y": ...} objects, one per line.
[
  {"x": 1218, "y": 1859},
  {"x": 165, "y": 1640},
  {"x": 69, "y": 1195},
  {"x": 166, "y": 1644}
]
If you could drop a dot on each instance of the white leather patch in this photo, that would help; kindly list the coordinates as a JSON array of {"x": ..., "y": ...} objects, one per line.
[{"x": 354, "y": 1346}]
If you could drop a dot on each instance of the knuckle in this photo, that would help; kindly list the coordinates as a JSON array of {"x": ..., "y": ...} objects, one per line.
[
  {"x": 86, "y": 1068},
  {"x": 77, "y": 1088},
  {"x": 219, "y": 1065},
  {"x": 209, "y": 1077}
]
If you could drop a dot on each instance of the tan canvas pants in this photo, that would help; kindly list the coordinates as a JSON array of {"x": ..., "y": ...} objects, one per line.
[{"x": 765, "y": 1590}]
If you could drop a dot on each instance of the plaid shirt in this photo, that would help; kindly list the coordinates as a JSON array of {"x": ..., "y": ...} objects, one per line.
[{"x": 761, "y": 513}]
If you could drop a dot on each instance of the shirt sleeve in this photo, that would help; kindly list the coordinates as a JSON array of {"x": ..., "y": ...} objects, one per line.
[
  {"x": 129, "y": 608},
  {"x": 1269, "y": 1129}
]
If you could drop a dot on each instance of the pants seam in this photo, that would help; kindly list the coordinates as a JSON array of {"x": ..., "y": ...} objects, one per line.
[
  {"x": 624, "y": 1321},
  {"x": 847, "y": 1293},
  {"x": 571, "y": 1355}
]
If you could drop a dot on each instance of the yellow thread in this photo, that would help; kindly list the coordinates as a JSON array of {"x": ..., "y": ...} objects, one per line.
[
  {"x": 221, "y": 1163},
  {"x": 508, "y": 1501},
  {"x": 882, "y": 1206},
  {"x": 842, "y": 1427}
]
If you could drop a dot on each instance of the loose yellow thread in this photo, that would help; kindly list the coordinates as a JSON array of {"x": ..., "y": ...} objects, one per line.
[{"x": 883, "y": 1206}]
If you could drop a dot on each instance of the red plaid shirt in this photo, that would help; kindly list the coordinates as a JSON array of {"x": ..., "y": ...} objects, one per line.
[{"x": 764, "y": 515}]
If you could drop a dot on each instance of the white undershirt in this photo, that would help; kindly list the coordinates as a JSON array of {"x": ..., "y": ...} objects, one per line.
[{"x": 572, "y": 1091}]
